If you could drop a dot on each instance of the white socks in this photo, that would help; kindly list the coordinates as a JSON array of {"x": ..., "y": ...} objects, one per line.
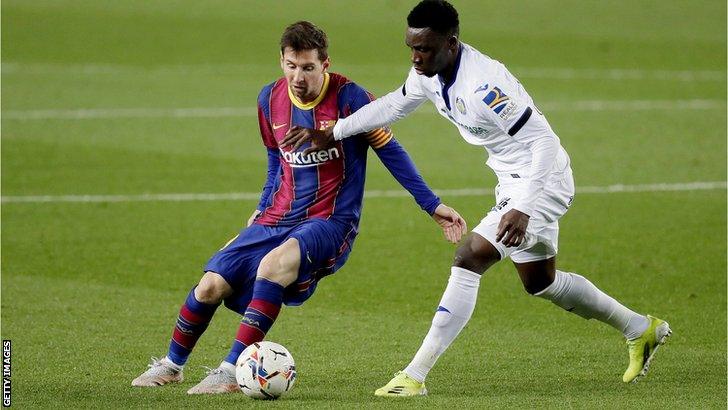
[
  {"x": 569, "y": 291},
  {"x": 454, "y": 311},
  {"x": 576, "y": 294}
]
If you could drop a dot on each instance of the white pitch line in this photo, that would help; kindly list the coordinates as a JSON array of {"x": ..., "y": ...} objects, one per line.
[
  {"x": 620, "y": 74},
  {"x": 219, "y": 112},
  {"x": 394, "y": 193},
  {"x": 554, "y": 73},
  {"x": 100, "y": 113}
]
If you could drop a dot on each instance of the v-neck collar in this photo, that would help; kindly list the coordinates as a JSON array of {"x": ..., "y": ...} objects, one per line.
[{"x": 446, "y": 87}]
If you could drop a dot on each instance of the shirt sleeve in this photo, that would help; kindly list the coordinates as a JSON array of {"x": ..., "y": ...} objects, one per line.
[
  {"x": 274, "y": 166},
  {"x": 400, "y": 165},
  {"x": 383, "y": 111},
  {"x": 527, "y": 126},
  {"x": 266, "y": 133},
  {"x": 355, "y": 97}
]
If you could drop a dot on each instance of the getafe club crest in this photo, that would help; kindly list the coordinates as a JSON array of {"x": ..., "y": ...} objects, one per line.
[
  {"x": 324, "y": 124},
  {"x": 460, "y": 104}
]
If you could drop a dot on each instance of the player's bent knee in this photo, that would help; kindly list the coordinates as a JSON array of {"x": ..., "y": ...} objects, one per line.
[
  {"x": 279, "y": 266},
  {"x": 212, "y": 288},
  {"x": 476, "y": 254}
]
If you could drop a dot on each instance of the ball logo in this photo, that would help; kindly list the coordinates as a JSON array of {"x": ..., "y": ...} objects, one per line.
[{"x": 313, "y": 159}]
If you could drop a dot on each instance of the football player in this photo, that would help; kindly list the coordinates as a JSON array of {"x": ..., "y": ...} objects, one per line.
[
  {"x": 308, "y": 216},
  {"x": 491, "y": 109}
]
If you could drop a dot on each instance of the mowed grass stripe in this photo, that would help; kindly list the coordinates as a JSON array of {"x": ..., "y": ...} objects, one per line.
[
  {"x": 215, "y": 112},
  {"x": 555, "y": 73},
  {"x": 236, "y": 196}
]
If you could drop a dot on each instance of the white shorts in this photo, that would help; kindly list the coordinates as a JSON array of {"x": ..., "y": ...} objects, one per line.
[{"x": 542, "y": 235}]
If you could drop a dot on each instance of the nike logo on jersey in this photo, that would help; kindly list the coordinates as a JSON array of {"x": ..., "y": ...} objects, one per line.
[{"x": 277, "y": 126}]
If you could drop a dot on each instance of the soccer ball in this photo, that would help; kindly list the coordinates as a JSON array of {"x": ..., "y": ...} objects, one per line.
[{"x": 265, "y": 370}]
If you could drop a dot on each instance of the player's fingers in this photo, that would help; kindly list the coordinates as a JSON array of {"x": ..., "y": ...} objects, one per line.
[
  {"x": 448, "y": 233},
  {"x": 517, "y": 239},
  {"x": 290, "y": 136},
  {"x": 502, "y": 230},
  {"x": 453, "y": 230},
  {"x": 300, "y": 141},
  {"x": 462, "y": 225},
  {"x": 507, "y": 241},
  {"x": 309, "y": 150},
  {"x": 458, "y": 234}
]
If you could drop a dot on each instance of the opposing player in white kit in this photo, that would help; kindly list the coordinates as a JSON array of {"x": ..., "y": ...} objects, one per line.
[{"x": 535, "y": 188}]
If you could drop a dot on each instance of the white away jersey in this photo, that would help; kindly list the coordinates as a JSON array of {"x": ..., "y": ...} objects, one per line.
[{"x": 489, "y": 107}]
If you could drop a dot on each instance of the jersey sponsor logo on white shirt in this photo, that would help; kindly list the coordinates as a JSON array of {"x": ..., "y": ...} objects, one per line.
[
  {"x": 473, "y": 130},
  {"x": 499, "y": 102}
]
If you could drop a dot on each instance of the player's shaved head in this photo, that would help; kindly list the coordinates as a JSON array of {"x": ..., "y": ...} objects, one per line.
[
  {"x": 304, "y": 35},
  {"x": 437, "y": 15}
]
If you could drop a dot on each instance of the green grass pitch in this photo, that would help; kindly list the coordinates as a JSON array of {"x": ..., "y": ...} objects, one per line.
[{"x": 90, "y": 290}]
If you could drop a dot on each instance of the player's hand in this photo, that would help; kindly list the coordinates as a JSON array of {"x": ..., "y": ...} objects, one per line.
[
  {"x": 453, "y": 225},
  {"x": 252, "y": 217},
  {"x": 512, "y": 228},
  {"x": 297, "y": 136}
]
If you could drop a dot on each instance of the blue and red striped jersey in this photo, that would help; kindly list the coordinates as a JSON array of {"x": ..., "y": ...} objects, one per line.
[{"x": 328, "y": 183}]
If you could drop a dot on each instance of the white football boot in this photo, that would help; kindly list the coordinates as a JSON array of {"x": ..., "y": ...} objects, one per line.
[
  {"x": 218, "y": 380},
  {"x": 160, "y": 372}
]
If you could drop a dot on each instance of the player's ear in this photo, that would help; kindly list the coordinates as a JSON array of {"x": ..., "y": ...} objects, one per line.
[
  {"x": 453, "y": 42},
  {"x": 326, "y": 63}
]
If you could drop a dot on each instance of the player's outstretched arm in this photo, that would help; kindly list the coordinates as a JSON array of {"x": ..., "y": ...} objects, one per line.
[
  {"x": 400, "y": 165},
  {"x": 453, "y": 225},
  {"x": 368, "y": 115}
]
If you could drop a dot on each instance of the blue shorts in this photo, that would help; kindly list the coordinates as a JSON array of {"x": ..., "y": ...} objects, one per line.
[{"x": 324, "y": 244}]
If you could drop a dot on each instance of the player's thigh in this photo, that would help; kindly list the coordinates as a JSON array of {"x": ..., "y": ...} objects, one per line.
[
  {"x": 543, "y": 243},
  {"x": 541, "y": 239},
  {"x": 324, "y": 246},
  {"x": 237, "y": 261},
  {"x": 212, "y": 288},
  {"x": 476, "y": 254},
  {"x": 488, "y": 230},
  {"x": 281, "y": 264}
]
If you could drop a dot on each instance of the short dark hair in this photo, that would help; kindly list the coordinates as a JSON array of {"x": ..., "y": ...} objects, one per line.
[
  {"x": 437, "y": 15},
  {"x": 304, "y": 35}
]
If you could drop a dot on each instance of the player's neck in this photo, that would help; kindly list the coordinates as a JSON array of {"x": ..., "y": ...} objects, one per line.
[
  {"x": 447, "y": 74},
  {"x": 307, "y": 102}
]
